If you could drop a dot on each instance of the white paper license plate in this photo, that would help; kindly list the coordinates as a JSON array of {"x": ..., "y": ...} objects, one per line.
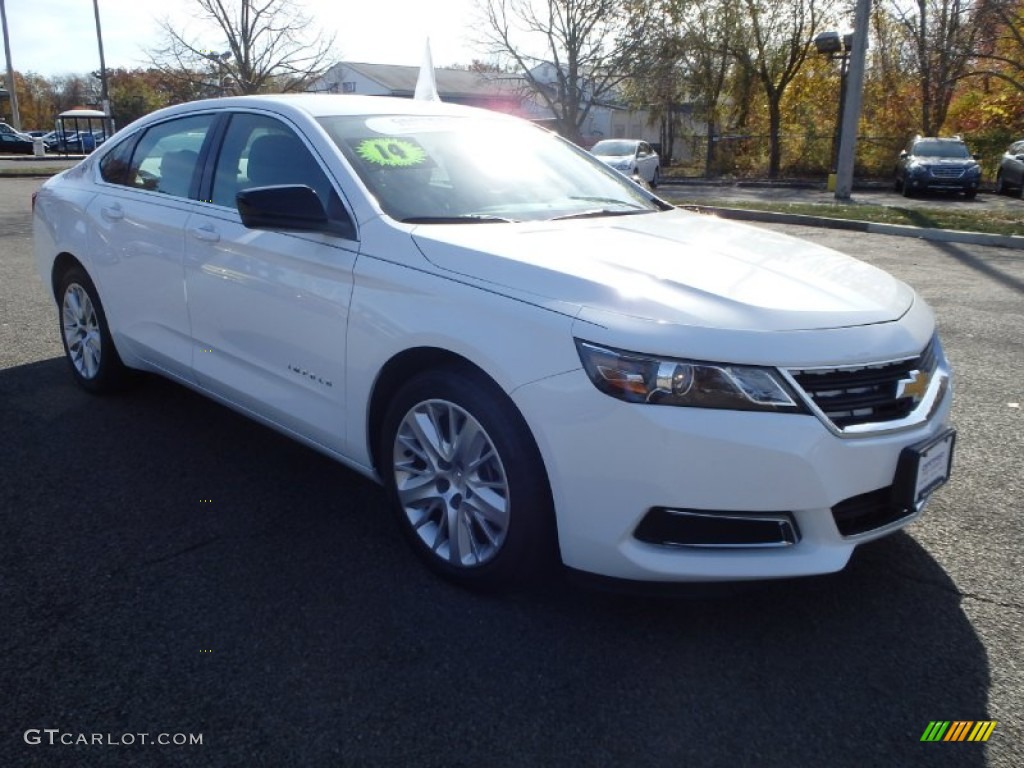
[{"x": 924, "y": 467}]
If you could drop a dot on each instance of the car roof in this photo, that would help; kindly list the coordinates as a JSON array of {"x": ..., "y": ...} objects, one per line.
[
  {"x": 938, "y": 140},
  {"x": 326, "y": 104}
]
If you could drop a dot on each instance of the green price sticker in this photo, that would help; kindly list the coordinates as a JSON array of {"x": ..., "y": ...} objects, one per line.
[{"x": 393, "y": 153}]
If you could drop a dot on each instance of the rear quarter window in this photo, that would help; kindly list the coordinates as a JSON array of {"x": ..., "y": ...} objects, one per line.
[{"x": 116, "y": 164}]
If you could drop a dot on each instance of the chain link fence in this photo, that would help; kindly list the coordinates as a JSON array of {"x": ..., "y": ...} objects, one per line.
[{"x": 804, "y": 156}]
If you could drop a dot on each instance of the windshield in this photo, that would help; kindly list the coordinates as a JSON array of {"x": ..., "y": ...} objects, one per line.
[
  {"x": 940, "y": 149},
  {"x": 614, "y": 148},
  {"x": 442, "y": 169}
]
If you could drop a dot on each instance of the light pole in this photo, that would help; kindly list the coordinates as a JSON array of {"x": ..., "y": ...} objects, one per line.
[
  {"x": 855, "y": 86},
  {"x": 11, "y": 85},
  {"x": 104, "y": 96},
  {"x": 837, "y": 47},
  {"x": 220, "y": 59}
]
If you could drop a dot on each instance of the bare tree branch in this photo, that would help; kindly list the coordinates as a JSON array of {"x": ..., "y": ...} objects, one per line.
[
  {"x": 588, "y": 46},
  {"x": 267, "y": 47}
]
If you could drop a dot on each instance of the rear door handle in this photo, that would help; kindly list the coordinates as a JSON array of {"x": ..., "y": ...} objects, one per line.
[
  {"x": 206, "y": 233},
  {"x": 112, "y": 212}
]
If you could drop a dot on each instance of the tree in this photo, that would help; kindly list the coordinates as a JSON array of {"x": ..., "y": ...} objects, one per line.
[
  {"x": 942, "y": 39},
  {"x": 707, "y": 31},
  {"x": 269, "y": 49},
  {"x": 1001, "y": 54},
  {"x": 572, "y": 53},
  {"x": 137, "y": 92},
  {"x": 775, "y": 48},
  {"x": 657, "y": 82},
  {"x": 36, "y": 100}
]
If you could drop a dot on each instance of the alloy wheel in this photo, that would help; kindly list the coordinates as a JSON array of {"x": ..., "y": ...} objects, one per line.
[
  {"x": 451, "y": 483},
  {"x": 81, "y": 331}
]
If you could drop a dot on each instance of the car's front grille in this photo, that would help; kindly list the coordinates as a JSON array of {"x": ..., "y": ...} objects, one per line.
[
  {"x": 867, "y": 512},
  {"x": 868, "y": 394},
  {"x": 947, "y": 173}
]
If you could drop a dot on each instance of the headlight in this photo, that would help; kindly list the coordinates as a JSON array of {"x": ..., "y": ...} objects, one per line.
[
  {"x": 974, "y": 170},
  {"x": 662, "y": 381},
  {"x": 916, "y": 169},
  {"x": 620, "y": 165}
]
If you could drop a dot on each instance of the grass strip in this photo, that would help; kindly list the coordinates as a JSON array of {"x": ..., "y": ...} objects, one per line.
[{"x": 993, "y": 222}]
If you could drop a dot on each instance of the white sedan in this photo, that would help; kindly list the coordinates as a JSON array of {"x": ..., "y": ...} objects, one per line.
[
  {"x": 538, "y": 358},
  {"x": 636, "y": 159}
]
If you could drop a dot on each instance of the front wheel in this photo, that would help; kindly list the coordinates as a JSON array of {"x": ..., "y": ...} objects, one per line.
[
  {"x": 970, "y": 194},
  {"x": 88, "y": 345},
  {"x": 1000, "y": 184},
  {"x": 466, "y": 479},
  {"x": 656, "y": 178}
]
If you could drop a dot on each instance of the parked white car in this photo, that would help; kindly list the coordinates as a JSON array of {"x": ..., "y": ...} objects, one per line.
[
  {"x": 631, "y": 157},
  {"x": 534, "y": 355}
]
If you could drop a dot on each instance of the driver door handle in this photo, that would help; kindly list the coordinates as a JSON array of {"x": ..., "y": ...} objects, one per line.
[
  {"x": 206, "y": 233},
  {"x": 112, "y": 212}
]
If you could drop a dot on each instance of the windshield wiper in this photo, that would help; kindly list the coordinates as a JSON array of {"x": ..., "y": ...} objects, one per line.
[
  {"x": 612, "y": 200},
  {"x": 468, "y": 218},
  {"x": 591, "y": 213}
]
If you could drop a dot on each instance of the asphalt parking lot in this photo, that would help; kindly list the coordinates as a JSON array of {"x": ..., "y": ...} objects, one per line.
[{"x": 167, "y": 567}]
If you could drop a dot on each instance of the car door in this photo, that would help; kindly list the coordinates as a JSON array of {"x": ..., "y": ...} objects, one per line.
[
  {"x": 646, "y": 161},
  {"x": 11, "y": 144},
  {"x": 269, "y": 309},
  {"x": 138, "y": 225}
]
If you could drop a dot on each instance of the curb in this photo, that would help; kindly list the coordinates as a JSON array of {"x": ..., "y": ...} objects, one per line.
[
  {"x": 852, "y": 225},
  {"x": 39, "y": 174}
]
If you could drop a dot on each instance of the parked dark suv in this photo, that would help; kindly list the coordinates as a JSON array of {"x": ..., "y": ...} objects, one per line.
[
  {"x": 943, "y": 164},
  {"x": 1011, "y": 170}
]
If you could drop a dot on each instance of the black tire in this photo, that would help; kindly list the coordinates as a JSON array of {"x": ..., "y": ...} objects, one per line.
[
  {"x": 656, "y": 179},
  {"x": 907, "y": 192},
  {"x": 497, "y": 467},
  {"x": 88, "y": 346},
  {"x": 897, "y": 185},
  {"x": 970, "y": 194},
  {"x": 1000, "y": 184}
]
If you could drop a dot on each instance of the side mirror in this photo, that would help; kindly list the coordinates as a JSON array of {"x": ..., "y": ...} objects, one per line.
[
  {"x": 976, "y": 156},
  {"x": 288, "y": 207},
  {"x": 903, "y": 153}
]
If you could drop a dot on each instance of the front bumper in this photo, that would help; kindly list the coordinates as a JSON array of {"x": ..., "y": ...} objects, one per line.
[
  {"x": 925, "y": 182},
  {"x": 610, "y": 463}
]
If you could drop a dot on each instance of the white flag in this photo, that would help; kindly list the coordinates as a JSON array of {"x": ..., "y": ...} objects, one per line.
[{"x": 426, "y": 86}]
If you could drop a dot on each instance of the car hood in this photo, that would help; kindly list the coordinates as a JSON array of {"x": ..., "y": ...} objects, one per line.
[{"x": 672, "y": 267}]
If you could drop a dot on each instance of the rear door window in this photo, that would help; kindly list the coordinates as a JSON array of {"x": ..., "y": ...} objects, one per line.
[{"x": 166, "y": 159}]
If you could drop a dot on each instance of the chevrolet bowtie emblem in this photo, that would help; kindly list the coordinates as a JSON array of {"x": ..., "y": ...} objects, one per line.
[{"x": 914, "y": 386}]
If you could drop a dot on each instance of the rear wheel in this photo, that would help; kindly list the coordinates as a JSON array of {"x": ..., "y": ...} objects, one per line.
[
  {"x": 466, "y": 480},
  {"x": 88, "y": 346}
]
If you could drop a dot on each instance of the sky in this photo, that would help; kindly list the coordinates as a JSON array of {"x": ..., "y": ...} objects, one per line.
[{"x": 57, "y": 37}]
